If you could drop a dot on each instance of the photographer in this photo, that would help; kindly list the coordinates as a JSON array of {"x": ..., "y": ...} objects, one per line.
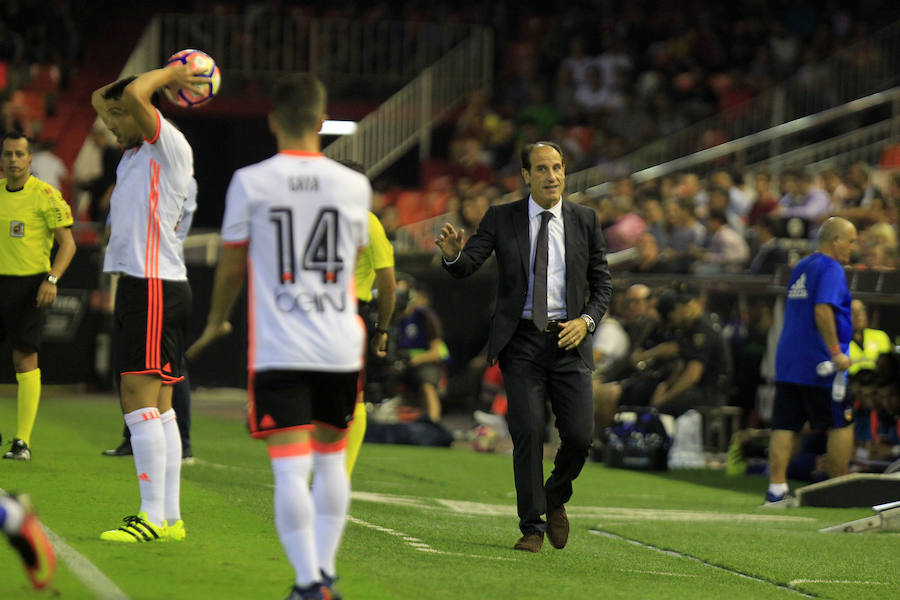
[{"x": 421, "y": 350}]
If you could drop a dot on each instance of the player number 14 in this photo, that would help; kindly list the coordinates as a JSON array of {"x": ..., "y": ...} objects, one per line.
[{"x": 321, "y": 251}]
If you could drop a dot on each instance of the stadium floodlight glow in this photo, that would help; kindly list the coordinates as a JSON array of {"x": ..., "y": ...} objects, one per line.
[{"x": 338, "y": 128}]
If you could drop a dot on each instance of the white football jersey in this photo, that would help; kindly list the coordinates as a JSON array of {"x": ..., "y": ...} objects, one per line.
[
  {"x": 152, "y": 182},
  {"x": 304, "y": 217}
]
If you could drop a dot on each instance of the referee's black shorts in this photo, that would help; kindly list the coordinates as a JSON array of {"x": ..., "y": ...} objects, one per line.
[
  {"x": 152, "y": 317},
  {"x": 21, "y": 320}
]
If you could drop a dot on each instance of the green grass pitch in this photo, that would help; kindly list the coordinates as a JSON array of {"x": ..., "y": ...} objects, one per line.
[{"x": 425, "y": 524}]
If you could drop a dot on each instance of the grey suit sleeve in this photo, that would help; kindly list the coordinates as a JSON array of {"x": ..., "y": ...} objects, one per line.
[
  {"x": 478, "y": 247},
  {"x": 599, "y": 278}
]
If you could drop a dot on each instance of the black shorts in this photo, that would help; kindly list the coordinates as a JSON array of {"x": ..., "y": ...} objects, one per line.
[
  {"x": 152, "y": 317},
  {"x": 285, "y": 400},
  {"x": 21, "y": 320},
  {"x": 796, "y": 404}
]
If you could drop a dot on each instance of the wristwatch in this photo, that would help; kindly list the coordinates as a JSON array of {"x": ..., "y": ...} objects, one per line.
[
  {"x": 379, "y": 329},
  {"x": 589, "y": 322},
  {"x": 51, "y": 278}
]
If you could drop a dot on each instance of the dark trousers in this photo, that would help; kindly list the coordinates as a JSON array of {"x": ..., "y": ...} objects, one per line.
[{"x": 535, "y": 371}]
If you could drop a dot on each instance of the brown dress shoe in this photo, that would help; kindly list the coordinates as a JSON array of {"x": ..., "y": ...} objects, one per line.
[
  {"x": 558, "y": 527},
  {"x": 530, "y": 542}
]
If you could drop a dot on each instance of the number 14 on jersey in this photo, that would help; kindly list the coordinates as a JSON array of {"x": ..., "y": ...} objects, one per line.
[{"x": 320, "y": 252}]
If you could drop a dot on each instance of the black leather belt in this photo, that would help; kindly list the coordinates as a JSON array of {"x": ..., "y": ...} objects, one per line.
[{"x": 552, "y": 326}]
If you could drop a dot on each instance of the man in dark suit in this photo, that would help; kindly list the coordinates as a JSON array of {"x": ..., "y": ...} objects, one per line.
[{"x": 554, "y": 286}]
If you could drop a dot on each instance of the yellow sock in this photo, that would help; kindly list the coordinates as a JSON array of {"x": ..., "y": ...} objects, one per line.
[
  {"x": 355, "y": 436},
  {"x": 29, "y": 395}
]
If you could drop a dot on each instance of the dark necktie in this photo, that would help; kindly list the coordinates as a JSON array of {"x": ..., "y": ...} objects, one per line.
[{"x": 539, "y": 287}]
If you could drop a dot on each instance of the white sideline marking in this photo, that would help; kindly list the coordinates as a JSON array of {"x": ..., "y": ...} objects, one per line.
[
  {"x": 666, "y": 573},
  {"x": 593, "y": 512},
  {"x": 798, "y": 581},
  {"x": 696, "y": 560},
  {"x": 417, "y": 544},
  {"x": 85, "y": 571}
]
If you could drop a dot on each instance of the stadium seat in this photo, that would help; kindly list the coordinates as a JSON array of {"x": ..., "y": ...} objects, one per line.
[
  {"x": 30, "y": 105},
  {"x": 44, "y": 78},
  {"x": 890, "y": 282},
  {"x": 865, "y": 281},
  {"x": 410, "y": 207},
  {"x": 890, "y": 157}
]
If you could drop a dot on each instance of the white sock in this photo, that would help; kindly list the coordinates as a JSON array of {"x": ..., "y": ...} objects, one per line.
[
  {"x": 173, "y": 466},
  {"x": 14, "y": 515},
  {"x": 148, "y": 444},
  {"x": 777, "y": 489},
  {"x": 331, "y": 496},
  {"x": 294, "y": 516}
]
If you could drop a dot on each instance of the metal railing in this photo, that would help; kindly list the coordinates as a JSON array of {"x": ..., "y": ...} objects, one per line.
[
  {"x": 407, "y": 118},
  {"x": 868, "y": 66},
  {"x": 888, "y": 100},
  {"x": 369, "y": 57},
  {"x": 865, "y": 144}
]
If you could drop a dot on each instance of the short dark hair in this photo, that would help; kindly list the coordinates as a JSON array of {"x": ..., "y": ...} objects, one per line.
[
  {"x": 527, "y": 148},
  {"x": 16, "y": 135},
  {"x": 298, "y": 103},
  {"x": 115, "y": 91},
  {"x": 718, "y": 215}
]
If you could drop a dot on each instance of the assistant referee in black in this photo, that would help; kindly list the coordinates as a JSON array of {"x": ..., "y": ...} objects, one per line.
[{"x": 32, "y": 215}]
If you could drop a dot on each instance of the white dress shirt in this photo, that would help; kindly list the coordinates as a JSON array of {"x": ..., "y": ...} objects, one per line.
[{"x": 556, "y": 260}]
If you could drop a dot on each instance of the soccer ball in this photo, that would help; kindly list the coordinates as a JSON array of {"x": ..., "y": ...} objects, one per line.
[{"x": 203, "y": 65}]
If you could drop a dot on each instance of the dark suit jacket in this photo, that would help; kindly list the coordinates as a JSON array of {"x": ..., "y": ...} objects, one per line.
[{"x": 504, "y": 231}]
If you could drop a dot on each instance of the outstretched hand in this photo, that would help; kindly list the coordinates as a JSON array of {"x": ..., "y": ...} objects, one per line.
[
  {"x": 209, "y": 335},
  {"x": 450, "y": 241}
]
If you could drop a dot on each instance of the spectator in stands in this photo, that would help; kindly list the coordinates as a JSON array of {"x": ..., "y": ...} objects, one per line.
[
  {"x": 48, "y": 167},
  {"x": 859, "y": 175},
  {"x": 626, "y": 226},
  {"x": 803, "y": 199},
  {"x": 738, "y": 202},
  {"x": 765, "y": 201},
  {"x": 727, "y": 251},
  {"x": 686, "y": 233},
  {"x": 650, "y": 260},
  {"x": 421, "y": 344},
  {"x": 689, "y": 188},
  {"x": 590, "y": 95},
  {"x": 95, "y": 173},
  {"x": 564, "y": 95},
  {"x": 651, "y": 212},
  {"x": 668, "y": 120},
  {"x": 469, "y": 159},
  {"x": 867, "y": 344},
  {"x": 769, "y": 254},
  {"x": 472, "y": 208},
  {"x": 539, "y": 110},
  {"x": 878, "y": 247},
  {"x": 836, "y": 189},
  {"x": 718, "y": 200},
  {"x": 577, "y": 62}
]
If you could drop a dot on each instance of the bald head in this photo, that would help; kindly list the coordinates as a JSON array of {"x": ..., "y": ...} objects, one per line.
[
  {"x": 638, "y": 291},
  {"x": 837, "y": 239},
  {"x": 637, "y": 301}
]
